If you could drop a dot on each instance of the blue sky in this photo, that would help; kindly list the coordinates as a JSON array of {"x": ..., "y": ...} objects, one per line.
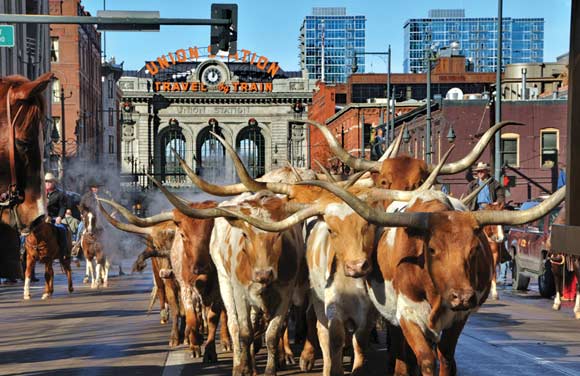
[{"x": 271, "y": 28}]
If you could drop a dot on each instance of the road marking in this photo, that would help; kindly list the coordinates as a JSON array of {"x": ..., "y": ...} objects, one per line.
[
  {"x": 544, "y": 362},
  {"x": 175, "y": 362}
]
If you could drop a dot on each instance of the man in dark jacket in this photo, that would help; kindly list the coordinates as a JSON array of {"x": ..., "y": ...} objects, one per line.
[
  {"x": 57, "y": 203},
  {"x": 492, "y": 193},
  {"x": 89, "y": 200}
]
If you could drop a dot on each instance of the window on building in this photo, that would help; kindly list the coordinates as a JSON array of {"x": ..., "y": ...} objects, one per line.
[
  {"x": 111, "y": 117},
  {"x": 510, "y": 147},
  {"x": 56, "y": 124},
  {"x": 56, "y": 91},
  {"x": 54, "y": 50},
  {"x": 111, "y": 88},
  {"x": 549, "y": 147},
  {"x": 111, "y": 145}
]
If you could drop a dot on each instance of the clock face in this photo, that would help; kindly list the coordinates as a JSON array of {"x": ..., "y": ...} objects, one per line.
[{"x": 212, "y": 76}]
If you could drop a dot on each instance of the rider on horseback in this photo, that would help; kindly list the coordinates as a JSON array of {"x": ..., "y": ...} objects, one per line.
[{"x": 56, "y": 208}]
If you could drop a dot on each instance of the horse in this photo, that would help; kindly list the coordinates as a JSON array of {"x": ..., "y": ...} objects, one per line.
[
  {"x": 495, "y": 237},
  {"x": 92, "y": 247},
  {"x": 42, "y": 245},
  {"x": 22, "y": 198},
  {"x": 559, "y": 263}
]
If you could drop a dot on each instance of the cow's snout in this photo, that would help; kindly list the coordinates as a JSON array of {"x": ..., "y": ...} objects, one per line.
[
  {"x": 461, "y": 300},
  {"x": 264, "y": 276},
  {"x": 358, "y": 268}
]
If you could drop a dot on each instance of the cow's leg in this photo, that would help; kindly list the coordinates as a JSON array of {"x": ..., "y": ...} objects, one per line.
[
  {"x": 171, "y": 294},
  {"x": 161, "y": 293},
  {"x": 446, "y": 349},
  {"x": 288, "y": 354},
  {"x": 336, "y": 336},
  {"x": 360, "y": 343},
  {"x": 398, "y": 351},
  {"x": 324, "y": 339},
  {"x": 307, "y": 357},
  {"x": 49, "y": 280},
  {"x": 227, "y": 295},
  {"x": 224, "y": 332},
  {"x": 30, "y": 265},
  {"x": 558, "y": 273},
  {"x": 420, "y": 346},
  {"x": 577, "y": 303},
  {"x": 213, "y": 318},
  {"x": 191, "y": 322},
  {"x": 274, "y": 335},
  {"x": 245, "y": 335}
]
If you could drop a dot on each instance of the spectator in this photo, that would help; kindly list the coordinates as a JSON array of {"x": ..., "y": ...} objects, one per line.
[
  {"x": 492, "y": 193},
  {"x": 72, "y": 223}
]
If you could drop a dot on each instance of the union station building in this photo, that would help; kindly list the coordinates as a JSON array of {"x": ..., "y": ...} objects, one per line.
[{"x": 173, "y": 105}]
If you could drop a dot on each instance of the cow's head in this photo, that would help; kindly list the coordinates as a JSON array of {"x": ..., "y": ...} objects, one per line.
[
  {"x": 402, "y": 173},
  {"x": 351, "y": 239},
  {"x": 195, "y": 235}
]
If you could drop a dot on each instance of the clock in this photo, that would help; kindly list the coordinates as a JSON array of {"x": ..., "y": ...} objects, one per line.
[{"x": 212, "y": 76}]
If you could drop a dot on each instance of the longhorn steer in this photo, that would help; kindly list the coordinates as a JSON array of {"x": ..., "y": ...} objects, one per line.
[{"x": 434, "y": 269}]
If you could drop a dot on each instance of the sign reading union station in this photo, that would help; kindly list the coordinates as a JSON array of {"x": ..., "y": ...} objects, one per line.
[{"x": 182, "y": 55}]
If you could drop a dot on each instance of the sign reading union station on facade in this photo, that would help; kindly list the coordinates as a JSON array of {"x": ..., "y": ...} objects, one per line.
[{"x": 192, "y": 53}]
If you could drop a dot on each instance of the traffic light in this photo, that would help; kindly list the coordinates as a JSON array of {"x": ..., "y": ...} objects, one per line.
[{"x": 224, "y": 37}]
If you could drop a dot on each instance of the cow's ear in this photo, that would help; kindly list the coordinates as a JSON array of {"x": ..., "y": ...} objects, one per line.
[{"x": 30, "y": 89}]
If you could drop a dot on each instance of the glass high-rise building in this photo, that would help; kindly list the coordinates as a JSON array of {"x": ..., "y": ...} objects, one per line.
[
  {"x": 523, "y": 39},
  {"x": 331, "y": 33}
]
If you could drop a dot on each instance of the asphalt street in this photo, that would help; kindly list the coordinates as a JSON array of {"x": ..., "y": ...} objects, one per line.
[{"x": 108, "y": 332}]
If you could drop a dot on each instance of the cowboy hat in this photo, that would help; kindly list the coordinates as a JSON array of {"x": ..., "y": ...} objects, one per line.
[
  {"x": 49, "y": 176},
  {"x": 481, "y": 166},
  {"x": 92, "y": 182}
]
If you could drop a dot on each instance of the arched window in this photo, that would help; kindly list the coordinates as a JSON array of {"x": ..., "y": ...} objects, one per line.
[
  {"x": 170, "y": 139},
  {"x": 251, "y": 148},
  {"x": 210, "y": 156}
]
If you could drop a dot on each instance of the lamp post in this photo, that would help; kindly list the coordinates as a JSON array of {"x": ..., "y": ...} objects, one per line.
[
  {"x": 451, "y": 135},
  {"x": 497, "y": 157},
  {"x": 429, "y": 57},
  {"x": 63, "y": 133}
]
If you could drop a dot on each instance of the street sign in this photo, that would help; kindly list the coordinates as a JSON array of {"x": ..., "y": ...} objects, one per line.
[{"x": 6, "y": 36}]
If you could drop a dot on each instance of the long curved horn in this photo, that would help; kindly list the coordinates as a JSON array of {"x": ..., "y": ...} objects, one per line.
[
  {"x": 353, "y": 179},
  {"x": 282, "y": 225},
  {"x": 137, "y": 221},
  {"x": 250, "y": 183},
  {"x": 327, "y": 173},
  {"x": 127, "y": 227},
  {"x": 393, "y": 148},
  {"x": 467, "y": 199},
  {"x": 355, "y": 163},
  {"x": 208, "y": 213},
  {"x": 378, "y": 194},
  {"x": 518, "y": 217},
  {"x": 469, "y": 159}
]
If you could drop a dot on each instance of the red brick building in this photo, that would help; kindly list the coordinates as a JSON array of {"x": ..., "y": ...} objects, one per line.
[
  {"x": 530, "y": 149},
  {"x": 76, "y": 63}
]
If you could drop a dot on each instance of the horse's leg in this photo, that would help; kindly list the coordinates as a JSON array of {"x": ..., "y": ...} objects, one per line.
[
  {"x": 495, "y": 254},
  {"x": 92, "y": 274},
  {"x": 577, "y": 303},
  {"x": 106, "y": 272},
  {"x": 87, "y": 269},
  {"x": 49, "y": 280},
  {"x": 557, "y": 272},
  {"x": 67, "y": 269},
  {"x": 30, "y": 264}
]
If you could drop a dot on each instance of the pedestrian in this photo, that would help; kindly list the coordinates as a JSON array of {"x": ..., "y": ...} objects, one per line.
[
  {"x": 72, "y": 223},
  {"x": 492, "y": 193}
]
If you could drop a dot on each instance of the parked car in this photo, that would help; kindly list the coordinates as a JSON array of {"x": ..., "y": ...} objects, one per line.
[{"x": 527, "y": 246}]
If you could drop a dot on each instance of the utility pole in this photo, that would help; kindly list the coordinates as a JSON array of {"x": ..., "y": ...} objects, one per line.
[
  {"x": 390, "y": 136},
  {"x": 63, "y": 135},
  {"x": 497, "y": 157},
  {"x": 428, "y": 117}
]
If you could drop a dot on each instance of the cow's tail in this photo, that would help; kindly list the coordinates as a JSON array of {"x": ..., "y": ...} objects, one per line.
[{"x": 152, "y": 299}]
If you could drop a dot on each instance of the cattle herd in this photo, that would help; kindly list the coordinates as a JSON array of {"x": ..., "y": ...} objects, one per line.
[{"x": 336, "y": 255}]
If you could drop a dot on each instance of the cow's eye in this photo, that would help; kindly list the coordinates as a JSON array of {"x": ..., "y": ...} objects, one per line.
[{"x": 432, "y": 251}]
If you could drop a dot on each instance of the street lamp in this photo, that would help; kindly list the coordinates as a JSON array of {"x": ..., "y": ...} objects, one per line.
[
  {"x": 406, "y": 135},
  {"x": 451, "y": 135},
  {"x": 430, "y": 55}
]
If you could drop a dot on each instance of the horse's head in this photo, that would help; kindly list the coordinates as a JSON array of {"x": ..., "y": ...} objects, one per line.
[{"x": 21, "y": 114}]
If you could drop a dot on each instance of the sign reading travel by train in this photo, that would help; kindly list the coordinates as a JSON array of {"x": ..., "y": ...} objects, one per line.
[
  {"x": 245, "y": 87},
  {"x": 192, "y": 53}
]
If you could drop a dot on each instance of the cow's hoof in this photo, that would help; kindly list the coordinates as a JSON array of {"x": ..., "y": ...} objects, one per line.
[
  {"x": 173, "y": 342},
  {"x": 71, "y": 290},
  {"x": 242, "y": 371},
  {"x": 495, "y": 296},
  {"x": 105, "y": 284},
  {"x": 209, "y": 356},
  {"x": 556, "y": 307},
  {"x": 45, "y": 296},
  {"x": 86, "y": 279},
  {"x": 195, "y": 351},
  {"x": 577, "y": 315},
  {"x": 307, "y": 361},
  {"x": 359, "y": 371},
  {"x": 289, "y": 359},
  {"x": 26, "y": 297},
  {"x": 226, "y": 346}
]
